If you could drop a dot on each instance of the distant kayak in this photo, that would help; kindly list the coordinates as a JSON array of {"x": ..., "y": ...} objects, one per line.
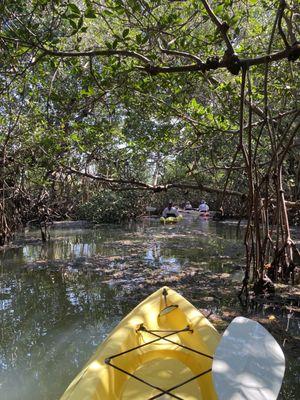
[
  {"x": 204, "y": 214},
  {"x": 171, "y": 220}
]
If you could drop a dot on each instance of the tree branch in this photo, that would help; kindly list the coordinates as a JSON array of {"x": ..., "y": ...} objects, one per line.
[
  {"x": 181, "y": 54},
  {"x": 222, "y": 26},
  {"x": 212, "y": 63},
  {"x": 96, "y": 52},
  {"x": 280, "y": 15},
  {"x": 155, "y": 188}
]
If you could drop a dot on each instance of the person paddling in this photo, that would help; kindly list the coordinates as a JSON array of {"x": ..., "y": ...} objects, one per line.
[
  {"x": 203, "y": 207},
  {"x": 188, "y": 206},
  {"x": 170, "y": 211}
]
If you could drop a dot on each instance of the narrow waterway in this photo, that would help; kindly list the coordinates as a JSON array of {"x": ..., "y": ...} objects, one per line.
[{"x": 59, "y": 300}]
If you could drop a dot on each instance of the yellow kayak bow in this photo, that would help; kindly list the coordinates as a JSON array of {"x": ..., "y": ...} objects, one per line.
[{"x": 161, "y": 350}]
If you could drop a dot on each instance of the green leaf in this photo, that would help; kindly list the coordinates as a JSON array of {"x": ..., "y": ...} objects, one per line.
[
  {"x": 74, "y": 8},
  {"x": 145, "y": 39},
  {"x": 73, "y": 24},
  {"x": 194, "y": 103},
  {"x": 88, "y": 92},
  {"x": 72, "y": 16},
  {"x": 107, "y": 12},
  {"x": 90, "y": 13},
  {"x": 235, "y": 19},
  {"x": 80, "y": 22},
  {"x": 139, "y": 38},
  {"x": 74, "y": 137},
  {"x": 125, "y": 33},
  {"x": 219, "y": 8}
]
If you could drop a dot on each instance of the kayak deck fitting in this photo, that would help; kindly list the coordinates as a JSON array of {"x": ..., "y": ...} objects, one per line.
[{"x": 162, "y": 350}]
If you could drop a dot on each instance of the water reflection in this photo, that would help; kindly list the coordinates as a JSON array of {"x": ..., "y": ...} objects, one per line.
[
  {"x": 50, "y": 329},
  {"x": 52, "y": 321},
  {"x": 198, "y": 239}
]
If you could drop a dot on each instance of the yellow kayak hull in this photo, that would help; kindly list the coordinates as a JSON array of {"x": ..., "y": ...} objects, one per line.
[
  {"x": 151, "y": 366},
  {"x": 170, "y": 220}
]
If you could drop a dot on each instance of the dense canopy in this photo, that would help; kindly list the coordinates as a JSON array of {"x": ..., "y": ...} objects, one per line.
[{"x": 149, "y": 96}]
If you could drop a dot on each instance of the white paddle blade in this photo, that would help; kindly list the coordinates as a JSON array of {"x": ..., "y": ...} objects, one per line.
[{"x": 248, "y": 363}]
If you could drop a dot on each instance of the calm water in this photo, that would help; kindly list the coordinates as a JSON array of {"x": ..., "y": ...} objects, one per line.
[{"x": 51, "y": 321}]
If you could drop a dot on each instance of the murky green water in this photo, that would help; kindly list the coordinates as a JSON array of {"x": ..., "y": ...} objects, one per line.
[{"x": 53, "y": 317}]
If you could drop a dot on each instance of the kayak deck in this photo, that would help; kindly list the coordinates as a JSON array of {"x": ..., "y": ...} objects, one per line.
[
  {"x": 161, "y": 372},
  {"x": 163, "y": 368},
  {"x": 152, "y": 354}
]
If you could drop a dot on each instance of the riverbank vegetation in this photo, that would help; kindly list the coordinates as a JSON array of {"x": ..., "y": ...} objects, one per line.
[{"x": 106, "y": 105}]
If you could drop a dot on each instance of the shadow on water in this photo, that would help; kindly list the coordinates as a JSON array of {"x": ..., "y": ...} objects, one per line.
[{"x": 60, "y": 300}]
